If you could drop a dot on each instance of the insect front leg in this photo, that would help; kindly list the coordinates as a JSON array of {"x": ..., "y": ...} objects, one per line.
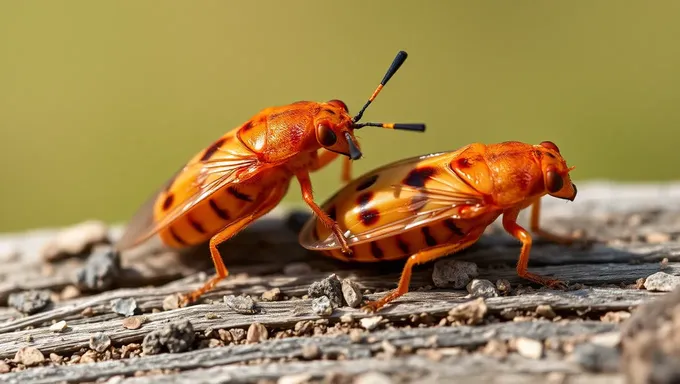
[
  {"x": 418, "y": 258},
  {"x": 559, "y": 239},
  {"x": 521, "y": 234},
  {"x": 308, "y": 197},
  {"x": 227, "y": 233}
]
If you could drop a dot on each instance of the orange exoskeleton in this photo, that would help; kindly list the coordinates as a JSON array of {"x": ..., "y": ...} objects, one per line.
[
  {"x": 245, "y": 173},
  {"x": 427, "y": 207}
]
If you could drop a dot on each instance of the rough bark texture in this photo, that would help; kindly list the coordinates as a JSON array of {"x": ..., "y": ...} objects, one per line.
[{"x": 635, "y": 228}]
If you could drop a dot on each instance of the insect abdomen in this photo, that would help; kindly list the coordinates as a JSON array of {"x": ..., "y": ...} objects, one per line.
[
  {"x": 210, "y": 216},
  {"x": 410, "y": 242}
]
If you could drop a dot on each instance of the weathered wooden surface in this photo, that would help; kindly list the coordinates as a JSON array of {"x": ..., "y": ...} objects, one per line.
[{"x": 635, "y": 227}]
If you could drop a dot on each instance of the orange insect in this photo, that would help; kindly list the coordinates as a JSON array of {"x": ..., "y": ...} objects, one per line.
[
  {"x": 245, "y": 174},
  {"x": 427, "y": 207}
]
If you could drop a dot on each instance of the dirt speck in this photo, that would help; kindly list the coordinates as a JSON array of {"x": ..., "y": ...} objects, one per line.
[
  {"x": 29, "y": 356},
  {"x": 243, "y": 304},
  {"x": 273, "y": 294},
  {"x": 451, "y": 273},
  {"x": 256, "y": 333},
  {"x": 175, "y": 337},
  {"x": 30, "y": 302},
  {"x": 99, "y": 342}
]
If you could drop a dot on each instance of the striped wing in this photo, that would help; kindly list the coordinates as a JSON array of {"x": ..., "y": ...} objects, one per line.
[
  {"x": 405, "y": 207},
  {"x": 210, "y": 176}
]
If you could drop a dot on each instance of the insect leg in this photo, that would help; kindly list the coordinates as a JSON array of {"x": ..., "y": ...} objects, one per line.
[
  {"x": 521, "y": 234},
  {"x": 308, "y": 197},
  {"x": 418, "y": 258},
  {"x": 535, "y": 227},
  {"x": 270, "y": 201}
]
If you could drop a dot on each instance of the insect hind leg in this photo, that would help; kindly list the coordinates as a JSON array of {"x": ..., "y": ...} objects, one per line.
[
  {"x": 421, "y": 257},
  {"x": 225, "y": 234}
]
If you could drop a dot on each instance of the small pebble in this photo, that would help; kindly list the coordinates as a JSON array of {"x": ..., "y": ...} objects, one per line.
[
  {"x": 503, "y": 286},
  {"x": 545, "y": 311},
  {"x": 470, "y": 313},
  {"x": 322, "y": 306},
  {"x": 311, "y": 351},
  {"x": 370, "y": 323},
  {"x": 273, "y": 294},
  {"x": 450, "y": 273},
  {"x": 175, "y": 337},
  {"x": 88, "y": 357},
  {"x": 238, "y": 334},
  {"x": 58, "y": 327},
  {"x": 347, "y": 318},
  {"x": 356, "y": 336},
  {"x": 126, "y": 307},
  {"x": 352, "y": 293},
  {"x": 76, "y": 240},
  {"x": 134, "y": 322},
  {"x": 100, "y": 272},
  {"x": 597, "y": 358},
  {"x": 529, "y": 348},
  {"x": 297, "y": 269},
  {"x": 331, "y": 287},
  {"x": 373, "y": 378},
  {"x": 243, "y": 304},
  {"x": 57, "y": 359},
  {"x": 661, "y": 282},
  {"x": 171, "y": 302},
  {"x": 212, "y": 316},
  {"x": 29, "y": 356},
  {"x": 482, "y": 288},
  {"x": 657, "y": 237},
  {"x": 30, "y": 302},
  {"x": 99, "y": 342},
  {"x": 256, "y": 333},
  {"x": 607, "y": 339},
  {"x": 87, "y": 312},
  {"x": 4, "y": 367},
  {"x": 69, "y": 292},
  {"x": 299, "y": 378}
]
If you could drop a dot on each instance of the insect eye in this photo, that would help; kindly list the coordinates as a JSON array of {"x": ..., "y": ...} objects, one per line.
[
  {"x": 554, "y": 181},
  {"x": 340, "y": 104},
  {"x": 326, "y": 135},
  {"x": 550, "y": 145}
]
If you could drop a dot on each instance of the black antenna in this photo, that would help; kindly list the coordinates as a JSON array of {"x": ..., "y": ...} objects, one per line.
[
  {"x": 405, "y": 127},
  {"x": 396, "y": 64},
  {"x": 398, "y": 61}
]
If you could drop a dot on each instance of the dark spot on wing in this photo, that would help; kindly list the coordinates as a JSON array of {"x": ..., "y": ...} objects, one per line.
[
  {"x": 418, "y": 176},
  {"x": 167, "y": 203},
  {"x": 366, "y": 215},
  {"x": 367, "y": 183},
  {"x": 364, "y": 199},
  {"x": 241, "y": 196},
  {"x": 376, "y": 251},
  {"x": 221, "y": 213},
  {"x": 369, "y": 217},
  {"x": 451, "y": 225},
  {"x": 330, "y": 111},
  {"x": 429, "y": 239},
  {"x": 214, "y": 147}
]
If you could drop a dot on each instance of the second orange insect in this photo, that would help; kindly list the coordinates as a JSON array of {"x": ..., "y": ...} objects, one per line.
[{"x": 430, "y": 206}]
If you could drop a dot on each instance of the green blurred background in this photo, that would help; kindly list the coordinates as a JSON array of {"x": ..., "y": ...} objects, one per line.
[{"x": 101, "y": 101}]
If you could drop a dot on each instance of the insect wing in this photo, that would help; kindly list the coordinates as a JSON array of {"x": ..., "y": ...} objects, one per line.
[
  {"x": 445, "y": 197},
  {"x": 211, "y": 176}
]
